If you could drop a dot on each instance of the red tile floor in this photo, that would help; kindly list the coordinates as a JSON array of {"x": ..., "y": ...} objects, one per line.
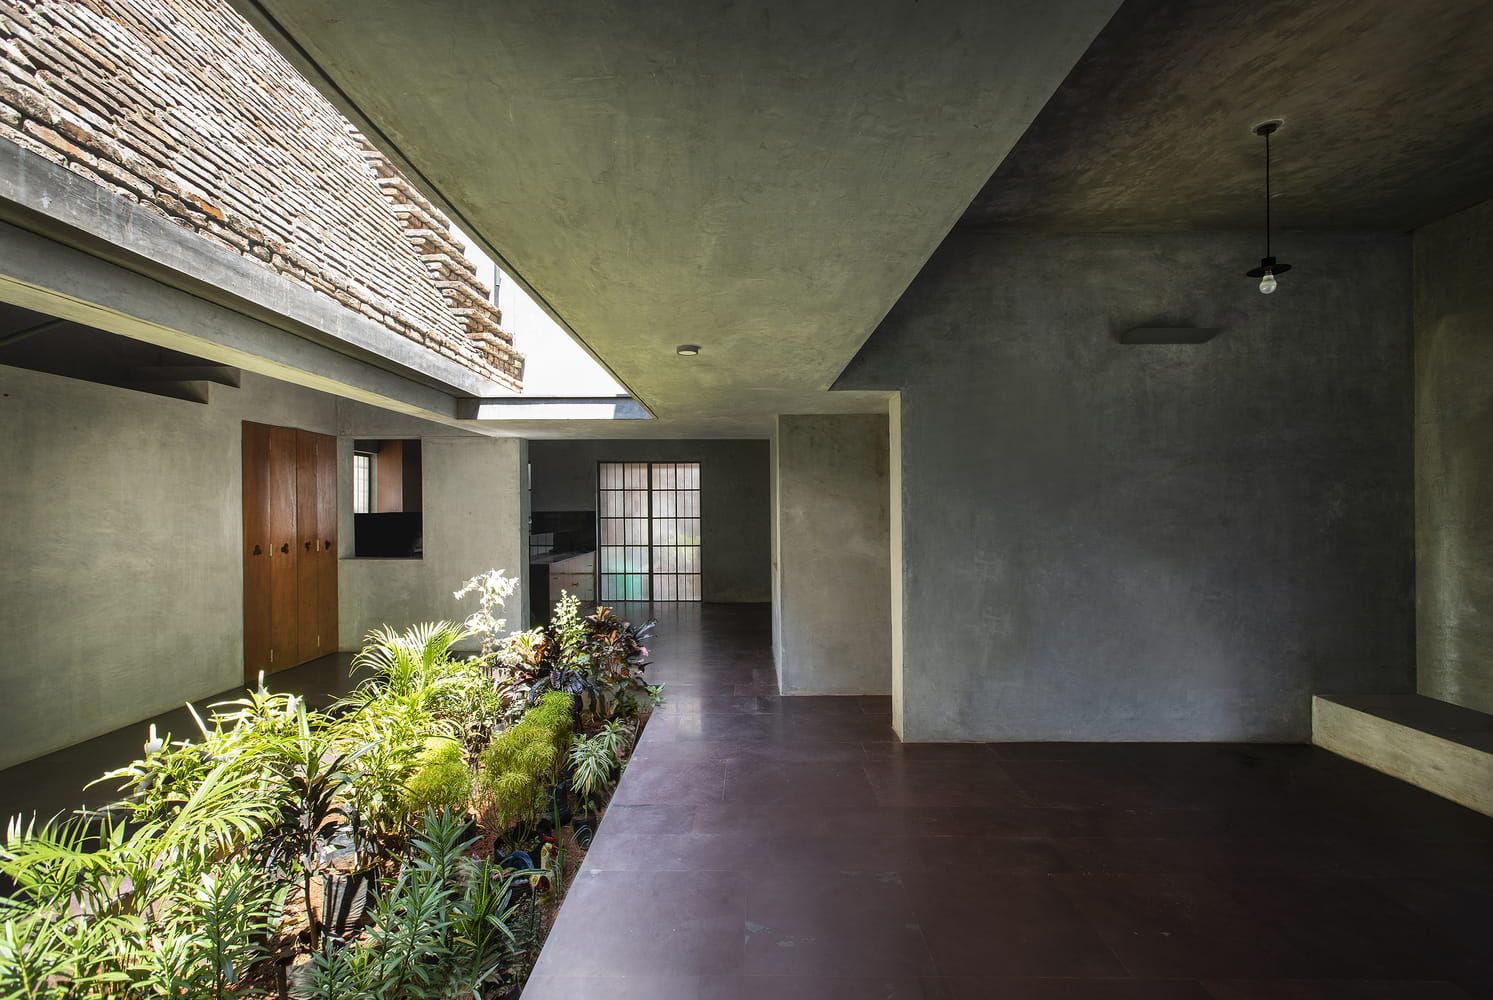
[{"x": 785, "y": 848}]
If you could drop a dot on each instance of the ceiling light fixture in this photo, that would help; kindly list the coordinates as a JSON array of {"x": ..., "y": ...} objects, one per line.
[
  {"x": 687, "y": 350},
  {"x": 1269, "y": 270}
]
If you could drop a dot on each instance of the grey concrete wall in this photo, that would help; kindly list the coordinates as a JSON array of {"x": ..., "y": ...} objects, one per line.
[
  {"x": 735, "y": 503},
  {"x": 832, "y": 592},
  {"x": 473, "y": 520},
  {"x": 1454, "y": 458},
  {"x": 121, "y": 594},
  {"x": 1111, "y": 542}
]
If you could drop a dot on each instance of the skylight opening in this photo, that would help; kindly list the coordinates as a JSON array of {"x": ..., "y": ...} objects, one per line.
[{"x": 554, "y": 364}]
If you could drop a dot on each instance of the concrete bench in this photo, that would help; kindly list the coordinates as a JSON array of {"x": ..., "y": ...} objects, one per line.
[{"x": 1443, "y": 748}]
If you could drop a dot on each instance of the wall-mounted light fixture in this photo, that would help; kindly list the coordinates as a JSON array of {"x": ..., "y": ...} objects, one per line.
[
  {"x": 687, "y": 350},
  {"x": 1270, "y": 269}
]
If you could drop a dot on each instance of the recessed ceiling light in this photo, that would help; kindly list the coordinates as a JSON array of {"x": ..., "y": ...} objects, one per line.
[{"x": 687, "y": 350}]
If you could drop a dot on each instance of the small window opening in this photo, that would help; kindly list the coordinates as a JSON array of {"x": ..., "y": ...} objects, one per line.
[{"x": 388, "y": 490}]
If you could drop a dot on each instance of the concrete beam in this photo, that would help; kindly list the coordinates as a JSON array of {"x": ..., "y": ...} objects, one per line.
[
  {"x": 50, "y": 200},
  {"x": 45, "y": 276}
]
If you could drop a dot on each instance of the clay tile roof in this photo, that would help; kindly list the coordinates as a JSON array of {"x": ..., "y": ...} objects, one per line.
[{"x": 181, "y": 106}]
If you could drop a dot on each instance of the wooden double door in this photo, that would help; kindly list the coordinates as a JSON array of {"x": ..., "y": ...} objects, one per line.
[{"x": 290, "y": 547}]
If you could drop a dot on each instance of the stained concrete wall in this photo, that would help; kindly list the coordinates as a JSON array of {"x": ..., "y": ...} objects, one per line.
[
  {"x": 122, "y": 589},
  {"x": 1454, "y": 458},
  {"x": 734, "y": 501},
  {"x": 473, "y": 518},
  {"x": 832, "y": 586},
  {"x": 1112, "y": 542}
]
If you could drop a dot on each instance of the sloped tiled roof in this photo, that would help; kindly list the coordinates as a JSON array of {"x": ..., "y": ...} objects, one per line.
[{"x": 181, "y": 106}]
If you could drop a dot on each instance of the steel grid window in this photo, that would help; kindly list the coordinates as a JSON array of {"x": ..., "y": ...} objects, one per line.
[{"x": 648, "y": 516}]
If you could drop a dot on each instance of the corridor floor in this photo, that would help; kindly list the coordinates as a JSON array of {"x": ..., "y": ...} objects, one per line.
[{"x": 787, "y": 848}]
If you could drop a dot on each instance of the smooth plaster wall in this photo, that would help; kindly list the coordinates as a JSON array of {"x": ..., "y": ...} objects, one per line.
[
  {"x": 1454, "y": 458},
  {"x": 122, "y": 590},
  {"x": 473, "y": 519},
  {"x": 1112, "y": 542},
  {"x": 735, "y": 504},
  {"x": 832, "y": 592}
]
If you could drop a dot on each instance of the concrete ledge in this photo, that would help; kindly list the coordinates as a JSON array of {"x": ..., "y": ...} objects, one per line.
[{"x": 1443, "y": 748}]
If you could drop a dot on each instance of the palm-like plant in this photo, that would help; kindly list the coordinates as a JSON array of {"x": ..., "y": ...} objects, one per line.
[{"x": 410, "y": 662}]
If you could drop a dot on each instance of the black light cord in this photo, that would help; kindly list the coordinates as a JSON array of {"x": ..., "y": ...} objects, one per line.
[{"x": 1267, "y": 194}]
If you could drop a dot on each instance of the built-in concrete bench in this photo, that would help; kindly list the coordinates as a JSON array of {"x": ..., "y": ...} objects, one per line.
[{"x": 1443, "y": 748}]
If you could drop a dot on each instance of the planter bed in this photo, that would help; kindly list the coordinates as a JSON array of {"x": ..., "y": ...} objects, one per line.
[{"x": 433, "y": 821}]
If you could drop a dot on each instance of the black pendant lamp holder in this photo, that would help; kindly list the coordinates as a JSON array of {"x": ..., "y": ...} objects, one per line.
[{"x": 1268, "y": 264}]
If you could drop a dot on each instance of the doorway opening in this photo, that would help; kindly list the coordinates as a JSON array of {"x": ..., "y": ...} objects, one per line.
[{"x": 648, "y": 519}]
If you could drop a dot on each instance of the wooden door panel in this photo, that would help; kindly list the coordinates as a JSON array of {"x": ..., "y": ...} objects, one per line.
[
  {"x": 256, "y": 448},
  {"x": 326, "y": 521},
  {"x": 284, "y": 610},
  {"x": 308, "y": 545}
]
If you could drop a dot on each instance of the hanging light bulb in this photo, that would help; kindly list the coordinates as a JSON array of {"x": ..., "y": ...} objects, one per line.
[{"x": 1269, "y": 270}]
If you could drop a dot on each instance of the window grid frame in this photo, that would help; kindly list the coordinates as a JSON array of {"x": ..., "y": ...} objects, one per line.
[{"x": 673, "y": 582}]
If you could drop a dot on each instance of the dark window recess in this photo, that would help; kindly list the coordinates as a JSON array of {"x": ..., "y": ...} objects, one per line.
[{"x": 388, "y": 485}]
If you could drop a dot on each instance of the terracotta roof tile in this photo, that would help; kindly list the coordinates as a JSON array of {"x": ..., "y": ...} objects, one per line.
[{"x": 181, "y": 106}]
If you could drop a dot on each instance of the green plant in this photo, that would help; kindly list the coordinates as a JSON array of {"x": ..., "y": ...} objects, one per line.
[
  {"x": 599, "y": 660},
  {"x": 493, "y": 590},
  {"x": 441, "y": 779},
  {"x": 91, "y": 890},
  {"x": 209, "y": 935},
  {"x": 313, "y": 768},
  {"x": 617, "y": 735},
  {"x": 440, "y": 932},
  {"x": 592, "y": 764},
  {"x": 411, "y": 663},
  {"x": 655, "y": 695},
  {"x": 521, "y": 761},
  {"x": 617, "y": 658}
]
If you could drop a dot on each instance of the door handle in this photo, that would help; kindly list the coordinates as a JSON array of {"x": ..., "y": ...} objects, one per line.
[
  {"x": 285, "y": 549},
  {"x": 327, "y": 543},
  {"x": 308, "y": 546},
  {"x": 257, "y": 550}
]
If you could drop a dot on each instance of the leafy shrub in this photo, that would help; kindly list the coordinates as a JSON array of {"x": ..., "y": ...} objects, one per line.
[
  {"x": 441, "y": 781},
  {"x": 441, "y": 931},
  {"x": 521, "y": 761},
  {"x": 599, "y": 659}
]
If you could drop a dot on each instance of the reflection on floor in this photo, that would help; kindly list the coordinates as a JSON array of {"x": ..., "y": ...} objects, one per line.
[
  {"x": 785, "y": 848},
  {"x": 54, "y": 783}
]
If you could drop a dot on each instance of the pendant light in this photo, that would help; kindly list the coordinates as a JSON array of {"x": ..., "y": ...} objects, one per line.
[{"x": 1269, "y": 270}]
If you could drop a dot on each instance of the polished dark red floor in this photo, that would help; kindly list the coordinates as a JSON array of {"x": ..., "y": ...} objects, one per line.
[{"x": 786, "y": 848}]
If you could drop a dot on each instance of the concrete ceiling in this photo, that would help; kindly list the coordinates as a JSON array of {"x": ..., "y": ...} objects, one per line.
[
  {"x": 763, "y": 180},
  {"x": 1388, "y": 108}
]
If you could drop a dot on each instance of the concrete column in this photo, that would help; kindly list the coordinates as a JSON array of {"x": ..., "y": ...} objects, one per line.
[
  {"x": 832, "y": 576},
  {"x": 894, "y": 495}
]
